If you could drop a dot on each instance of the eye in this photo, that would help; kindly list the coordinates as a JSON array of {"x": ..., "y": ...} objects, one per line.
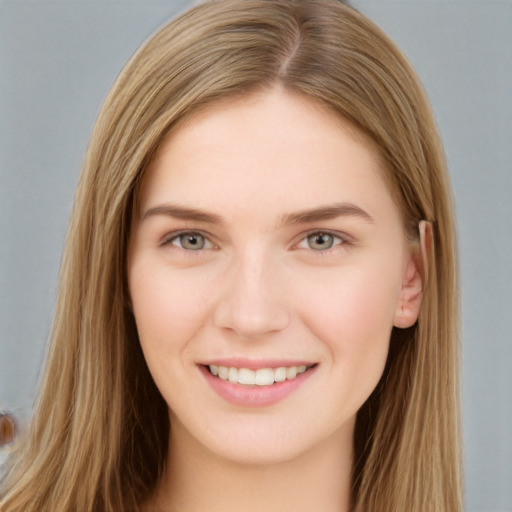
[
  {"x": 190, "y": 241},
  {"x": 320, "y": 241}
]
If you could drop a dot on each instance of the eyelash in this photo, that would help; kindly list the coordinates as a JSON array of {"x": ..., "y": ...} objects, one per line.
[
  {"x": 339, "y": 240},
  {"x": 169, "y": 239}
]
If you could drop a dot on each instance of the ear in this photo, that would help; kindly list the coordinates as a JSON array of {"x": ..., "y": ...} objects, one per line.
[{"x": 414, "y": 279}]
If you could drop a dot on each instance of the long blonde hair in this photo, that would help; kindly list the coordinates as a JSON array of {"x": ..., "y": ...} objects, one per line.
[{"x": 98, "y": 438}]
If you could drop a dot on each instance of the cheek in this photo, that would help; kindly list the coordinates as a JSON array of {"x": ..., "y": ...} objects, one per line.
[
  {"x": 354, "y": 301},
  {"x": 352, "y": 314},
  {"x": 169, "y": 307}
]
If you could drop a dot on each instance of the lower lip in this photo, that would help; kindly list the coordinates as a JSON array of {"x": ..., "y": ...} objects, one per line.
[{"x": 255, "y": 396}]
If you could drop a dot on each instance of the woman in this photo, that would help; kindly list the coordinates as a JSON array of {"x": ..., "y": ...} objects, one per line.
[{"x": 258, "y": 299}]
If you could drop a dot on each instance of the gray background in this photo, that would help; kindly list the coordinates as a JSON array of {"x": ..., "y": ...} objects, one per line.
[{"x": 57, "y": 61}]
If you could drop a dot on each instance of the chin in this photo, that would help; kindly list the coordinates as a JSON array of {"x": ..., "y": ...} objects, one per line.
[
  {"x": 261, "y": 443},
  {"x": 260, "y": 454}
]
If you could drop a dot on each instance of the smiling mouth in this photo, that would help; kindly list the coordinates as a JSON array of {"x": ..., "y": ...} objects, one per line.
[{"x": 259, "y": 377}]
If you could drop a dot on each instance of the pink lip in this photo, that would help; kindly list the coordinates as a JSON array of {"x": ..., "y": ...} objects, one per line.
[{"x": 254, "y": 396}]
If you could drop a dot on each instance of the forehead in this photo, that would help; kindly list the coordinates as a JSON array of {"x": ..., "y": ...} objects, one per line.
[{"x": 268, "y": 150}]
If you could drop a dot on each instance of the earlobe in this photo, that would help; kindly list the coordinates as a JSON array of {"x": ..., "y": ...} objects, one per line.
[{"x": 414, "y": 279}]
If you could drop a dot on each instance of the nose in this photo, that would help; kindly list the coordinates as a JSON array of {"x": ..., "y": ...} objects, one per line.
[{"x": 251, "y": 301}]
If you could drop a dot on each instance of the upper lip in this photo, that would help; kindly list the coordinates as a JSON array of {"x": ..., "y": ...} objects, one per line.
[{"x": 255, "y": 364}]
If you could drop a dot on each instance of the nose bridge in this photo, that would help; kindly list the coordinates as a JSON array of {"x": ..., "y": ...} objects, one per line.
[{"x": 252, "y": 303}]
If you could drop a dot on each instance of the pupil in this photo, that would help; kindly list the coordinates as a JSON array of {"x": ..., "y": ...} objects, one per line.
[
  {"x": 321, "y": 241},
  {"x": 192, "y": 241}
]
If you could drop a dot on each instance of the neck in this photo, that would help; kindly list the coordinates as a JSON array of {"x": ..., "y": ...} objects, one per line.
[{"x": 196, "y": 480}]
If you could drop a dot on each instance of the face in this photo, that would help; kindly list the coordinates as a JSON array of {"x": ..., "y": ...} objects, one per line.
[{"x": 267, "y": 267}]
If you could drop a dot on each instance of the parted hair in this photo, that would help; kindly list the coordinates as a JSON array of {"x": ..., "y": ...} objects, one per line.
[{"x": 99, "y": 435}]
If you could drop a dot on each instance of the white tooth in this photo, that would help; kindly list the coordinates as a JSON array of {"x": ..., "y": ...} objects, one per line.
[
  {"x": 280, "y": 374},
  {"x": 223, "y": 372},
  {"x": 264, "y": 377},
  {"x": 246, "y": 376},
  {"x": 233, "y": 374},
  {"x": 291, "y": 372},
  {"x": 261, "y": 377}
]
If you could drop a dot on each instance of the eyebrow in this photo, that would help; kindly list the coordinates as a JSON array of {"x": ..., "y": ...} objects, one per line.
[
  {"x": 183, "y": 212},
  {"x": 308, "y": 216},
  {"x": 327, "y": 212}
]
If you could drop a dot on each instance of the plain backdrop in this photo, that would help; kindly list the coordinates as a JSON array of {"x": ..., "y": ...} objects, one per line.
[{"x": 59, "y": 58}]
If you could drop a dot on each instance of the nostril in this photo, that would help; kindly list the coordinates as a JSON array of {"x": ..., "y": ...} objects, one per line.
[{"x": 8, "y": 429}]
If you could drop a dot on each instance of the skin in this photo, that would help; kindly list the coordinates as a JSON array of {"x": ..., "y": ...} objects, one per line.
[{"x": 265, "y": 286}]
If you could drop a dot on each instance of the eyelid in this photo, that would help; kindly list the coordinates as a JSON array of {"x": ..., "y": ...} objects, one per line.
[
  {"x": 169, "y": 237},
  {"x": 342, "y": 237}
]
